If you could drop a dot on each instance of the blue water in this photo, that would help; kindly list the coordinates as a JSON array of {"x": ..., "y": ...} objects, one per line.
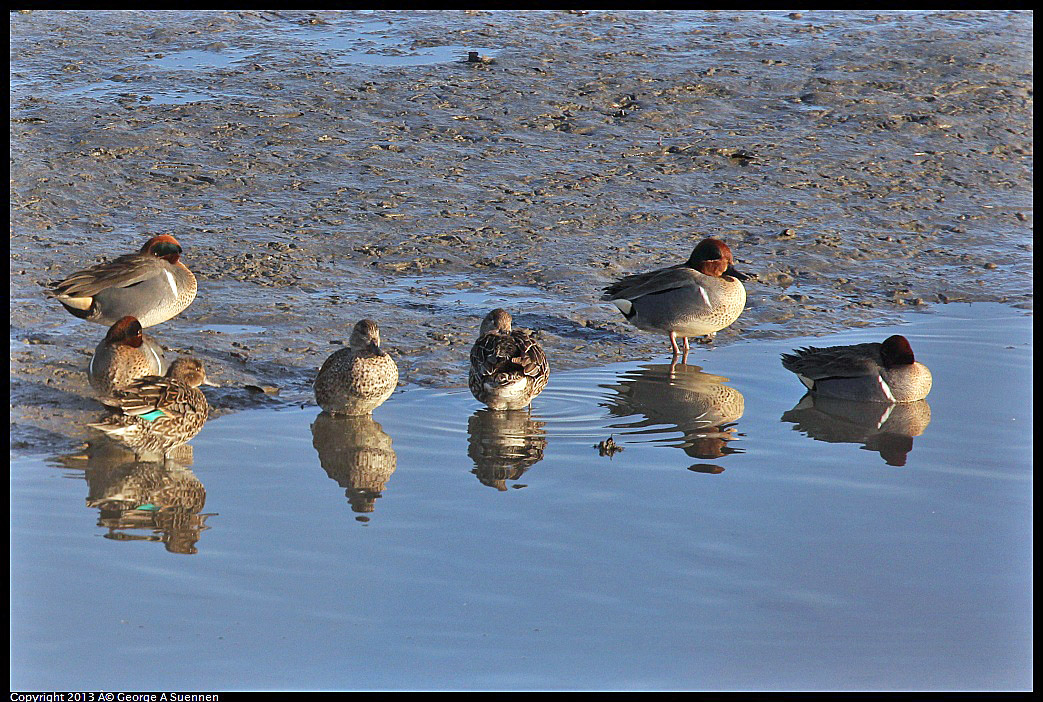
[{"x": 446, "y": 547}]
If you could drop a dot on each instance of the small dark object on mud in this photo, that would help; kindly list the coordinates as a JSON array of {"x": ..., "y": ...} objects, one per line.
[{"x": 473, "y": 57}]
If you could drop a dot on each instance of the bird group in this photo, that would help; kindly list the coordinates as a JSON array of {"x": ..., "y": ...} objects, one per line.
[
  {"x": 162, "y": 404},
  {"x": 157, "y": 407}
]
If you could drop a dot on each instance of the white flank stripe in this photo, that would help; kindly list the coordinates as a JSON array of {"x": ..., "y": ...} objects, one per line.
[
  {"x": 170, "y": 279},
  {"x": 706, "y": 298},
  {"x": 885, "y": 388},
  {"x": 159, "y": 364}
]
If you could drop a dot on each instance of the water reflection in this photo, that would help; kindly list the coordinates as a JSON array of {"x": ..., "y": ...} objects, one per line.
[
  {"x": 503, "y": 445},
  {"x": 679, "y": 397},
  {"x": 356, "y": 453},
  {"x": 885, "y": 428},
  {"x": 140, "y": 500}
]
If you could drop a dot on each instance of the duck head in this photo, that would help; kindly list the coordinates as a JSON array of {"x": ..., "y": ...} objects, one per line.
[
  {"x": 713, "y": 257},
  {"x": 896, "y": 351},
  {"x": 189, "y": 371},
  {"x": 365, "y": 334},
  {"x": 125, "y": 332},
  {"x": 498, "y": 320},
  {"x": 163, "y": 246}
]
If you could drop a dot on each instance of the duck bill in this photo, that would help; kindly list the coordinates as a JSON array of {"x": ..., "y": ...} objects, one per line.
[
  {"x": 730, "y": 270},
  {"x": 211, "y": 383}
]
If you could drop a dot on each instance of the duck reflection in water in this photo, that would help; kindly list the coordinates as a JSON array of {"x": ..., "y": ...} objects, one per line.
[
  {"x": 503, "y": 445},
  {"x": 142, "y": 500},
  {"x": 683, "y": 398},
  {"x": 886, "y": 428},
  {"x": 356, "y": 453}
]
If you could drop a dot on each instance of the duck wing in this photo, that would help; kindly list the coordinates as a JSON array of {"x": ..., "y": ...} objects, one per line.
[
  {"x": 122, "y": 272},
  {"x": 153, "y": 392},
  {"x": 530, "y": 357},
  {"x": 517, "y": 353},
  {"x": 834, "y": 361},
  {"x": 663, "y": 280}
]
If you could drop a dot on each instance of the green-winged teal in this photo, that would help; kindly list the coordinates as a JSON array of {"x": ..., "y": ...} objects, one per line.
[
  {"x": 873, "y": 372},
  {"x": 151, "y": 285},
  {"x": 357, "y": 379},
  {"x": 508, "y": 367},
  {"x": 157, "y": 414},
  {"x": 124, "y": 355},
  {"x": 696, "y": 298}
]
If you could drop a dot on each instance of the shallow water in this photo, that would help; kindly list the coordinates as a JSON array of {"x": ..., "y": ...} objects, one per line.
[
  {"x": 376, "y": 42},
  {"x": 440, "y": 545}
]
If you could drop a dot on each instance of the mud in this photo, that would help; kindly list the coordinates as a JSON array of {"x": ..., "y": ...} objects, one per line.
[{"x": 319, "y": 168}]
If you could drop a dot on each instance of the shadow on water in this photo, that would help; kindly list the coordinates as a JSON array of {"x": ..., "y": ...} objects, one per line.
[{"x": 503, "y": 445}]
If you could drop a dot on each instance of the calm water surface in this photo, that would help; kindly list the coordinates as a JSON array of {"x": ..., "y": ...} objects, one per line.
[{"x": 742, "y": 539}]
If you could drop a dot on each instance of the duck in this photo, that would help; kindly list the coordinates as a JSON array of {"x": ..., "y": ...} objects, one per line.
[
  {"x": 156, "y": 414},
  {"x": 124, "y": 355},
  {"x": 697, "y": 298},
  {"x": 356, "y": 380},
  {"x": 873, "y": 372},
  {"x": 508, "y": 366},
  {"x": 152, "y": 285}
]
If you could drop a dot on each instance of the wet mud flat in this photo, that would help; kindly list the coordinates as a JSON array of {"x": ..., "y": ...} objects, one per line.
[{"x": 323, "y": 167}]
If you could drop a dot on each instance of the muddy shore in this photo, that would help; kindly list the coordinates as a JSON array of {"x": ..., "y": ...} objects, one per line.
[{"x": 317, "y": 170}]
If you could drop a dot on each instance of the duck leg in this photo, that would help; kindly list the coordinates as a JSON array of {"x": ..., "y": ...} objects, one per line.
[{"x": 673, "y": 343}]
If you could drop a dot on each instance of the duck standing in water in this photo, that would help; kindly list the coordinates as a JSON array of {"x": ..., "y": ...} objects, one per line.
[
  {"x": 158, "y": 414},
  {"x": 508, "y": 366},
  {"x": 357, "y": 379},
  {"x": 696, "y": 298}
]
